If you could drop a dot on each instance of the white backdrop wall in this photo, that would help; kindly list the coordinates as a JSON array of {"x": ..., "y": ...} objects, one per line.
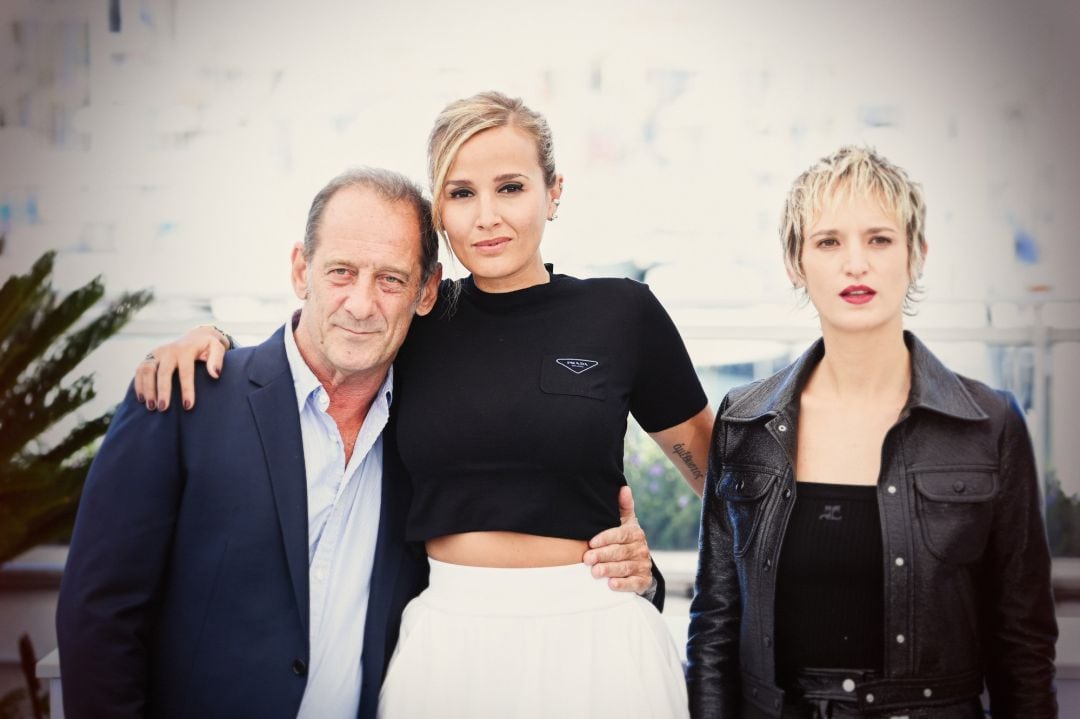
[{"x": 177, "y": 145}]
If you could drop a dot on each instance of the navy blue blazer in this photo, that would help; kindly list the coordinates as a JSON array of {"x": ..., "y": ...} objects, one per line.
[{"x": 186, "y": 587}]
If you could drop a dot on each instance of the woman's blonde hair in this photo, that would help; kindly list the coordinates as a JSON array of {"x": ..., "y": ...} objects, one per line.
[
  {"x": 462, "y": 119},
  {"x": 855, "y": 172}
]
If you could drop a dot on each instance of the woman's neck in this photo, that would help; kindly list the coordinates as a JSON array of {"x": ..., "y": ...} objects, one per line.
[
  {"x": 863, "y": 366},
  {"x": 529, "y": 276}
]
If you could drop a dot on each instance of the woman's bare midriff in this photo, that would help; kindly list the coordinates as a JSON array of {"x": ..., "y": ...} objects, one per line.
[{"x": 506, "y": 550}]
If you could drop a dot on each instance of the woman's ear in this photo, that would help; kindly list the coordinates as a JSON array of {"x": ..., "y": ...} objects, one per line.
[
  {"x": 555, "y": 197},
  {"x": 796, "y": 280}
]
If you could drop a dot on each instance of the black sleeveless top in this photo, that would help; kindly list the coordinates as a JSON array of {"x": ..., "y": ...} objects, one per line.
[{"x": 830, "y": 582}]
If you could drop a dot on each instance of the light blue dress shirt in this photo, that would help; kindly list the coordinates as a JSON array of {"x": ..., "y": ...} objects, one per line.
[{"x": 343, "y": 522}]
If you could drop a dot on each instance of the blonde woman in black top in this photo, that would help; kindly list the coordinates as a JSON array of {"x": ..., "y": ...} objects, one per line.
[{"x": 871, "y": 539}]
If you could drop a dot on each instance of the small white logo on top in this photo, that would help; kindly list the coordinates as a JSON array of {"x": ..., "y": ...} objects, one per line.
[{"x": 577, "y": 366}]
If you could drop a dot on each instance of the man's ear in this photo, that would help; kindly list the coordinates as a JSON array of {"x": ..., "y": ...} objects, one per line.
[
  {"x": 429, "y": 291},
  {"x": 300, "y": 271}
]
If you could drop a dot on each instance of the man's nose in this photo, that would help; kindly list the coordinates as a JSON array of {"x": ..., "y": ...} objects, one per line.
[{"x": 360, "y": 301}]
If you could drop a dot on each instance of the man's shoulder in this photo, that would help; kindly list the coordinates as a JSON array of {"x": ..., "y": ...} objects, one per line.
[{"x": 260, "y": 364}]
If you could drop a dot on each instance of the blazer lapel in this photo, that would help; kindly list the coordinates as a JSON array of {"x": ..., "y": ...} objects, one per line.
[
  {"x": 396, "y": 575},
  {"x": 273, "y": 405}
]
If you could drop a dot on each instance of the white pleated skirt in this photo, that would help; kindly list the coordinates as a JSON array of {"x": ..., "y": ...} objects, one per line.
[{"x": 531, "y": 644}]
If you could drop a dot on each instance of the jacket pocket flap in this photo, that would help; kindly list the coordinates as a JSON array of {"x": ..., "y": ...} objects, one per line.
[
  {"x": 969, "y": 485},
  {"x": 739, "y": 484}
]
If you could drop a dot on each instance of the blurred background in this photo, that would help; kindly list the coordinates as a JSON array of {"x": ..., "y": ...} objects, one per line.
[{"x": 176, "y": 146}]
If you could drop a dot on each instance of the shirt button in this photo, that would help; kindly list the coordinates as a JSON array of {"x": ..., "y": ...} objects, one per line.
[
  {"x": 768, "y": 564},
  {"x": 768, "y": 641},
  {"x": 320, "y": 575},
  {"x": 891, "y": 489},
  {"x": 899, "y": 638},
  {"x": 869, "y": 698},
  {"x": 928, "y": 692},
  {"x": 848, "y": 685},
  {"x": 299, "y": 667},
  {"x": 958, "y": 487},
  {"x": 787, "y": 492},
  {"x": 899, "y": 561}
]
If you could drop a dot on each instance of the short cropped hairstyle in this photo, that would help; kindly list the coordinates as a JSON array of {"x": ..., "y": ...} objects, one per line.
[
  {"x": 389, "y": 186},
  {"x": 462, "y": 119},
  {"x": 855, "y": 172}
]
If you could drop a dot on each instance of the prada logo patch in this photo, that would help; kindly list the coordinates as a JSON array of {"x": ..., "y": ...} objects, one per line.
[{"x": 577, "y": 366}]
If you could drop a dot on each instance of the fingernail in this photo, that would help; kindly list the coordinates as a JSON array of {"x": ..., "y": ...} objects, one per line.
[
  {"x": 161, "y": 405},
  {"x": 150, "y": 405},
  {"x": 141, "y": 398},
  {"x": 187, "y": 404},
  {"x": 217, "y": 370}
]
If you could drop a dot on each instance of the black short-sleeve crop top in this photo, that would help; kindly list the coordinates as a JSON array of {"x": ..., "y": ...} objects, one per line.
[{"x": 511, "y": 408}]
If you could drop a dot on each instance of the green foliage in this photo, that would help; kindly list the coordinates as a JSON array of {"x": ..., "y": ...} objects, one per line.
[
  {"x": 33, "y": 696},
  {"x": 1062, "y": 519},
  {"x": 12, "y": 703},
  {"x": 39, "y": 486},
  {"x": 666, "y": 507}
]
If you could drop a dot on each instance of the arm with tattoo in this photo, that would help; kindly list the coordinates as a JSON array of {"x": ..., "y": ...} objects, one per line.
[{"x": 687, "y": 446}]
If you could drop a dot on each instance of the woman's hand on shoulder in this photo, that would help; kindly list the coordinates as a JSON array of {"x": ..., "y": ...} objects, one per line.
[{"x": 153, "y": 376}]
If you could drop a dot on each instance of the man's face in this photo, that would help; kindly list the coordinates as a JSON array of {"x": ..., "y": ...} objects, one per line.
[{"x": 360, "y": 287}]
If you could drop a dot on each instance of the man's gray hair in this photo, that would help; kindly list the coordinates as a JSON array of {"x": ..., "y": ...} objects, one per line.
[{"x": 389, "y": 186}]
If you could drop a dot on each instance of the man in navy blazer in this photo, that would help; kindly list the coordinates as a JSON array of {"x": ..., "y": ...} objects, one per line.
[
  {"x": 187, "y": 587},
  {"x": 186, "y": 590}
]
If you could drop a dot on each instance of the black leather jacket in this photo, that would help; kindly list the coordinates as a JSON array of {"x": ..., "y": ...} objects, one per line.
[{"x": 967, "y": 569}]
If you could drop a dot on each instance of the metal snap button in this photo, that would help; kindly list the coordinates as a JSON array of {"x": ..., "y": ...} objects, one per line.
[
  {"x": 928, "y": 692},
  {"x": 848, "y": 685},
  {"x": 899, "y": 638},
  {"x": 787, "y": 492},
  {"x": 891, "y": 489},
  {"x": 959, "y": 487},
  {"x": 782, "y": 427},
  {"x": 899, "y": 561},
  {"x": 869, "y": 698}
]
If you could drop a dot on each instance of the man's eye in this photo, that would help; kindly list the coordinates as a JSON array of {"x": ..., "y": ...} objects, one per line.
[
  {"x": 392, "y": 281},
  {"x": 340, "y": 271}
]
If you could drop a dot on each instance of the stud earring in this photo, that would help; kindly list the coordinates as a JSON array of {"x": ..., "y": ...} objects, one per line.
[{"x": 555, "y": 214}]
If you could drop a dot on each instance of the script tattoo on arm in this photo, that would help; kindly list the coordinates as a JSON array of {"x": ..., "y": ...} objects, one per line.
[
  {"x": 686, "y": 445},
  {"x": 687, "y": 457}
]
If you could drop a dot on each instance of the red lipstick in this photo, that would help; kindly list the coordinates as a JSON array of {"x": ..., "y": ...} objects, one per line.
[{"x": 857, "y": 294}]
